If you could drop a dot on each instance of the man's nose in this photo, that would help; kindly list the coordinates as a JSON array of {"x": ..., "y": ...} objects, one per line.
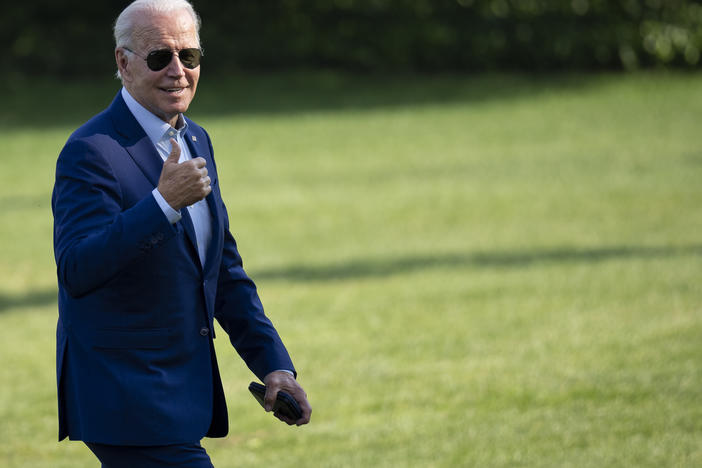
[{"x": 175, "y": 67}]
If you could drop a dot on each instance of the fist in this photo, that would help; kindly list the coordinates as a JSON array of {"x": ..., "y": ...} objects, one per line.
[
  {"x": 183, "y": 184},
  {"x": 279, "y": 380}
]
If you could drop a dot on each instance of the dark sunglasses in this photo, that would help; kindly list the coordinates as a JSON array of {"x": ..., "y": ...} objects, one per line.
[{"x": 159, "y": 59}]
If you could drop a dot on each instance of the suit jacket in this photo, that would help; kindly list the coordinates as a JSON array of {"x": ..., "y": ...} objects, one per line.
[{"x": 135, "y": 359}]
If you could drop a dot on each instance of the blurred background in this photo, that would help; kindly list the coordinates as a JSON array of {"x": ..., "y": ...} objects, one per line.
[
  {"x": 475, "y": 223},
  {"x": 69, "y": 38}
]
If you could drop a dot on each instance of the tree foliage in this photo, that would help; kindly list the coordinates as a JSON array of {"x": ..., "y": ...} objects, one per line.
[{"x": 72, "y": 37}]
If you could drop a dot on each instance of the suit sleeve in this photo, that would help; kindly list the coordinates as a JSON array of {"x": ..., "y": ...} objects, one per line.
[
  {"x": 95, "y": 236},
  {"x": 239, "y": 311}
]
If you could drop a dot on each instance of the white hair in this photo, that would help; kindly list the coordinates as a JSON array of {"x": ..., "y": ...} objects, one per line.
[{"x": 124, "y": 25}]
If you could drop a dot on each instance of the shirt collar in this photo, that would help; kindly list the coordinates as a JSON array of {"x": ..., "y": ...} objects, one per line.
[{"x": 155, "y": 128}]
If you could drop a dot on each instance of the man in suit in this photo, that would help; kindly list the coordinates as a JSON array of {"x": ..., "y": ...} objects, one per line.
[{"x": 146, "y": 262}]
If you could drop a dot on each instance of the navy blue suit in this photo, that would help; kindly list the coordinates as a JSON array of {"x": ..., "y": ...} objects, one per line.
[{"x": 135, "y": 359}]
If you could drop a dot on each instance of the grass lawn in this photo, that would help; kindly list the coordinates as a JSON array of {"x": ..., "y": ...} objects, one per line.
[{"x": 483, "y": 271}]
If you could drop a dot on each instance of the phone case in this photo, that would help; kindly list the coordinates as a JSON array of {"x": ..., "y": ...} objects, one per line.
[{"x": 284, "y": 403}]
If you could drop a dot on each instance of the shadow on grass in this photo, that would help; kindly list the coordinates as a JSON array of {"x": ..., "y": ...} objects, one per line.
[
  {"x": 45, "y": 103},
  {"x": 373, "y": 268},
  {"x": 34, "y": 201},
  {"x": 35, "y": 298}
]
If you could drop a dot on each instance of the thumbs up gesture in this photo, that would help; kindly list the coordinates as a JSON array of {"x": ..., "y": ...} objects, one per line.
[{"x": 183, "y": 184}]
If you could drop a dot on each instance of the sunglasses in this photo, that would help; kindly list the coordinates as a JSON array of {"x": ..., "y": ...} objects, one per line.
[{"x": 159, "y": 59}]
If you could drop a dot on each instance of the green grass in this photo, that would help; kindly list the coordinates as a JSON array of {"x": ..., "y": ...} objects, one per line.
[{"x": 468, "y": 271}]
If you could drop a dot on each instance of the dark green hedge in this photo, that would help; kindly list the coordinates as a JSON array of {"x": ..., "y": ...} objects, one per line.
[{"x": 74, "y": 37}]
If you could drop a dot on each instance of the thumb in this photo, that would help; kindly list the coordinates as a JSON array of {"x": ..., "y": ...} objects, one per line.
[
  {"x": 269, "y": 398},
  {"x": 174, "y": 156}
]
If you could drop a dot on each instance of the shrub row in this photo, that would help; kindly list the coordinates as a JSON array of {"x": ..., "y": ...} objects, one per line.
[{"x": 70, "y": 37}]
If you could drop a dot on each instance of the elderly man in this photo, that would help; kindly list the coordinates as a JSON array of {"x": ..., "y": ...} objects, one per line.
[{"x": 146, "y": 262}]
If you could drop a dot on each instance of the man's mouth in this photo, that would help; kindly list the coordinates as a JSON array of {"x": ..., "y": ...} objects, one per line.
[{"x": 176, "y": 90}]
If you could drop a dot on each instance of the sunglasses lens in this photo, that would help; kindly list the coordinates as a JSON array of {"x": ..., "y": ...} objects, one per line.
[
  {"x": 190, "y": 58},
  {"x": 158, "y": 59}
]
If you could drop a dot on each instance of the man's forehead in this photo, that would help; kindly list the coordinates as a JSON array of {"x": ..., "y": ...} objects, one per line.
[{"x": 161, "y": 30}]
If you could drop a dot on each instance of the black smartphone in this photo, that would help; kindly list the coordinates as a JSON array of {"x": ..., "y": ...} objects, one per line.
[{"x": 284, "y": 403}]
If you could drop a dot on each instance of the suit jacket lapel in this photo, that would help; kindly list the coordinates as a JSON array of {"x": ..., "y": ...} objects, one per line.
[
  {"x": 135, "y": 141},
  {"x": 189, "y": 228},
  {"x": 216, "y": 231},
  {"x": 199, "y": 148},
  {"x": 145, "y": 155}
]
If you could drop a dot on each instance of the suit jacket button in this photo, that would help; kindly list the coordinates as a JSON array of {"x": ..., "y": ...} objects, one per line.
[{"x": 204, "y": 331}]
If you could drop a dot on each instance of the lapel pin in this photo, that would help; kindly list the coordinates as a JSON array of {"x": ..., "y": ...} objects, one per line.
[{"x": 194, "y": 138}]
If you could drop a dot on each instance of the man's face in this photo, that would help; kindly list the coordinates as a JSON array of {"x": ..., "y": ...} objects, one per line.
[{"x": 166, "y": 92}]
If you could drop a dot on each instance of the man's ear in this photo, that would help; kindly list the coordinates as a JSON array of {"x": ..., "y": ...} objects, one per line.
[{"x": 122, "y": 64}]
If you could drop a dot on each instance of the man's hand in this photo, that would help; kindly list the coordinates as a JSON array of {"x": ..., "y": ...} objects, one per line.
[
  {"x": 183, "y": 184},
  {"x": 280, "y": 380}
]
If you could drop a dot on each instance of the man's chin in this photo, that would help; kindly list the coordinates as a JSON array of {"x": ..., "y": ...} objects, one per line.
[{"x": 176, "y": 108}]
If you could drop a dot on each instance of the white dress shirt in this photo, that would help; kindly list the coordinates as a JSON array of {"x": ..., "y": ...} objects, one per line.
[{"x": 160, "y": 133}]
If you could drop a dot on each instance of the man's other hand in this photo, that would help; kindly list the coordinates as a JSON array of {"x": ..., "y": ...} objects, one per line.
[
  {"x": 183, "y": 184},
  {"x": 280, "y": 380}
]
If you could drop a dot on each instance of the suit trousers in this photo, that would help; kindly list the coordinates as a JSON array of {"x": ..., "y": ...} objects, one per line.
[{"x": 127, "y": 456}]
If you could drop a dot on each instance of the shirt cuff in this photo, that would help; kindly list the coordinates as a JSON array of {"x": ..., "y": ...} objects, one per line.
[{"x": 172, "y": 215}]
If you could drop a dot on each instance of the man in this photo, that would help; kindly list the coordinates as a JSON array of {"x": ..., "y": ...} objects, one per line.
[{"x": 145, "y": 262}]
